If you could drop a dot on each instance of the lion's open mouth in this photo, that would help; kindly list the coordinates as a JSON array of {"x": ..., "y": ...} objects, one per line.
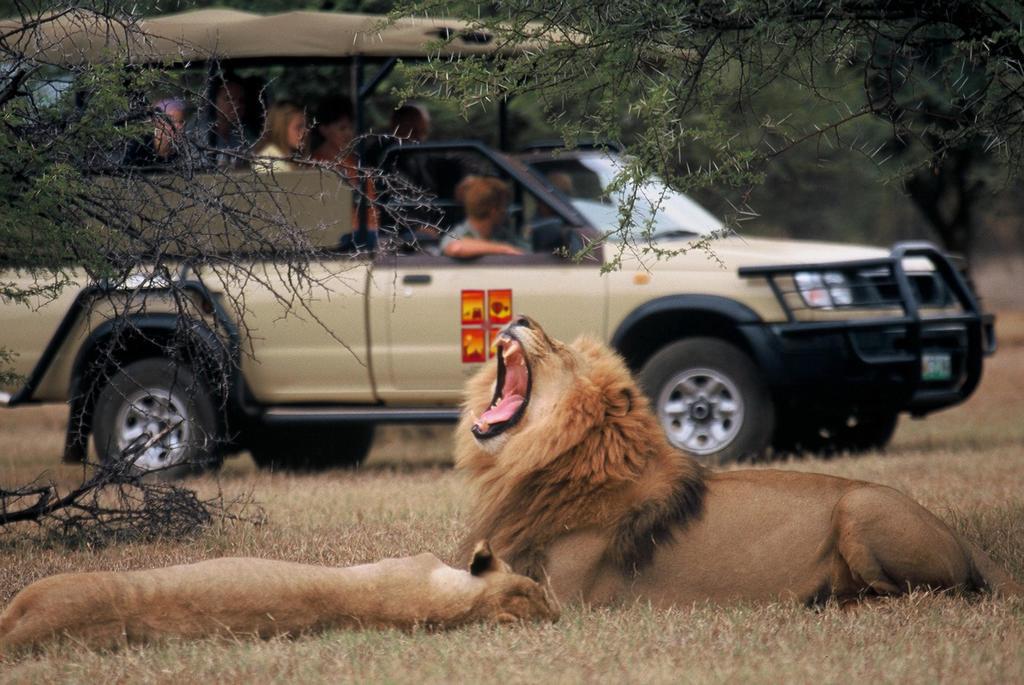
[{"x": 511, "y": 391}]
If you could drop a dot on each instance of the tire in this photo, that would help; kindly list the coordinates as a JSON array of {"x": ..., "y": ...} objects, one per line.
[
  {"x": 863, "y": 433},
  {"x": 145, "y": 398},
  {"x": 710, "y": 400},
  {"x": 314, "y": 448}
]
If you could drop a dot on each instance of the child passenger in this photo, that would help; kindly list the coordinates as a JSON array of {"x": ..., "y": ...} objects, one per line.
[{"x": 284, "y": 138}]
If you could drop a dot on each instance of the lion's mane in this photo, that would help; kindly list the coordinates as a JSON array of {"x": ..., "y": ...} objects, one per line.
[{"x": 597, "y": 460}]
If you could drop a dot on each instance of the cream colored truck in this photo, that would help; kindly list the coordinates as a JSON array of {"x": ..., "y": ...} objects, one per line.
[
  {"x": 786, "y": 344},
  {"x": 800, "y": 345}
]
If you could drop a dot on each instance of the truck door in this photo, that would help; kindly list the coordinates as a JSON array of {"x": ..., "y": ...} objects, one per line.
[
  {"x": 312, "y": 348},
  {"x": 433, "y": 318},
  {"x": 306, "y": 332}
]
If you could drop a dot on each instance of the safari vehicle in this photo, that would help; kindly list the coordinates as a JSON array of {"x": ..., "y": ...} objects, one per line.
[{"x": 785, "y": 344}]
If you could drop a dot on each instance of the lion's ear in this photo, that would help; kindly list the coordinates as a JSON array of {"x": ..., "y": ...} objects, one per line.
[
  {"x": 618, "y": 401},
  {"x": 483, "y": 560}
]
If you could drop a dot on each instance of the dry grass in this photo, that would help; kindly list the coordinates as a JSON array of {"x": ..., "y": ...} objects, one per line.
[{"x": 966, "y": 463}]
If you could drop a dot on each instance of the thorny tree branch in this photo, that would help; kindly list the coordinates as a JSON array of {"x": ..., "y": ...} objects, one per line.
[
  {"x": 119, "y": 503},
  {"x": 688, "y": 85},
  {"x": 75, "y": 211}
]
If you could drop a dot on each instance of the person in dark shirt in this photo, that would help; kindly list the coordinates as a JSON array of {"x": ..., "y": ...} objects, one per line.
[
  {"x": 230, "y": 134},
  {"x": 336, "y": 151}
]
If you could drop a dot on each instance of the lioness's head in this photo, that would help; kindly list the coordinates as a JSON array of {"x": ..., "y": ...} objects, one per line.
[
  {"x": 509, "y": 596},
  {"x": 542, "y": 397}
]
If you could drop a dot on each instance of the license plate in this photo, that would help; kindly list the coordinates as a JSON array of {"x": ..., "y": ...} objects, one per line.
[{"x": 936, "y": 366}]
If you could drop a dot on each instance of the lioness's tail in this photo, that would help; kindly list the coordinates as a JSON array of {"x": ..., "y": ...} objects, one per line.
[{"x": 991, "y": 576}]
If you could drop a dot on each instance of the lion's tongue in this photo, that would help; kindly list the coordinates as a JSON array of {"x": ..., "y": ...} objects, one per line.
[
  {"x": 502, "y": 411},
  {"x": 511, "y": 397}
]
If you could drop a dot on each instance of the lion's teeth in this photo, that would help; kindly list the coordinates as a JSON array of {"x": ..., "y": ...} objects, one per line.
[{"x": 509, "y": 349}]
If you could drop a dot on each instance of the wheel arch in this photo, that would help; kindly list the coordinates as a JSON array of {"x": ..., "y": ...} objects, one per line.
[
  {"x": 662, "y": 321},
  {"x": 118, "y": 342}
]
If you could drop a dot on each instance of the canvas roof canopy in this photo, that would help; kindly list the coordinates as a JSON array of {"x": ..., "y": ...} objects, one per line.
[{"x": 79, "y": 36}]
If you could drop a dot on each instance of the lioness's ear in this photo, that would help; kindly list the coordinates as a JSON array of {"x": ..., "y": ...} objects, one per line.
[{"x": 484, "y": 560}]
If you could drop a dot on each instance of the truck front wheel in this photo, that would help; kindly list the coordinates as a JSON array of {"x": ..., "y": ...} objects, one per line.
[
  {"x": 313, "y": 448},
  {"x": 709, "y": 399},
  {"x": 161, "y": 415}
]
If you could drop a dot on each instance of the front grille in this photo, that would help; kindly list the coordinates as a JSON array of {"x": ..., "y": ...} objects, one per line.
[
  {"x": 915, "y": 278},
  {"x": 838, "y": 287},
  {"x": 878, "y": 288}
]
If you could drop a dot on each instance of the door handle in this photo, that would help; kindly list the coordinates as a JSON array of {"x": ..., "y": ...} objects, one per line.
[{"x": 416, "y": 279}]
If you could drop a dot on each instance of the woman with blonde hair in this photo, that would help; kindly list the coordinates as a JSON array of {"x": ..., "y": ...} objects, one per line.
[{"x": 284, "y": 138}]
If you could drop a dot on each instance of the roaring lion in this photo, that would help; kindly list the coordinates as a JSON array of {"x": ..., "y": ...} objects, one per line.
[
  {"x": 576, "y": 482},
  {"x": 261, "y": 597}
]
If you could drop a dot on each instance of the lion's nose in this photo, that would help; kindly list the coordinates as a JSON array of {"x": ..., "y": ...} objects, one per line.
[{"x": 522, "y": 321}]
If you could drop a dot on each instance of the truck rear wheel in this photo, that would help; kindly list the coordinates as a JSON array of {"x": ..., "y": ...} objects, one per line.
[
  {"x": 157, "y": 400},
  {"x": 313, "y": 448},
  {"x": 709, "y": 399}
]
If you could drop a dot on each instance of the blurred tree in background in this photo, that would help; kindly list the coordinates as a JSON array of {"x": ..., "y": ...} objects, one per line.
[
  {"x": 813, "y": 119},
  {"x": 705, "y": 93}
]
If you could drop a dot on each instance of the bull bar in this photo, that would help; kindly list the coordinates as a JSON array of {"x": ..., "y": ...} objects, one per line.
[{"x": 901, "y": 341}]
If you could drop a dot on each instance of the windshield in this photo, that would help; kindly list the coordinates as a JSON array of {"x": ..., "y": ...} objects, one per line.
[{"x": 584, "y": 180}]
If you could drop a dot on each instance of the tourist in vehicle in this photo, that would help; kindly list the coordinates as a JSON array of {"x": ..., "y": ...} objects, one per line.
[
  {"x": 485, "y": 230},
  {"x": 411, "y": 122},
  {"x": 284, "y": 138},
  {"x": 164, "y": 145},
  {"x": 336, "y": 131},
  {"x": 560, "y": 181},
  {"x": 229, "y": 131}
]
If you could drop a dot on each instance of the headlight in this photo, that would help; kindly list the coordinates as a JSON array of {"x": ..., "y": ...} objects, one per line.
[{"x": 824, "y": 289}]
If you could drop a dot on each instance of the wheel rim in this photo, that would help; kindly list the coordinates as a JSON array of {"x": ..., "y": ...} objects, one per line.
[
  {"x": 701, "y": 411},
  {"x": 146, "y": 413}
]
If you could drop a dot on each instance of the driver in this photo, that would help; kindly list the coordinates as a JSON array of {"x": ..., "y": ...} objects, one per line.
[{"x": 485, "y": 230}]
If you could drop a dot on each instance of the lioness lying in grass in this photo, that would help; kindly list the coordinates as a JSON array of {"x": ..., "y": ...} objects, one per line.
[{"x": 261, "y": 597}]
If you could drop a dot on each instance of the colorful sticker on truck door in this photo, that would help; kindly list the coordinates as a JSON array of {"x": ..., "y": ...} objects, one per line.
[
  {"x": 499, "y": 306},
  {"x": 483, "y": 313},
  {"x": 473, "y": 307},
  {"x": 473, "y": 345}
]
